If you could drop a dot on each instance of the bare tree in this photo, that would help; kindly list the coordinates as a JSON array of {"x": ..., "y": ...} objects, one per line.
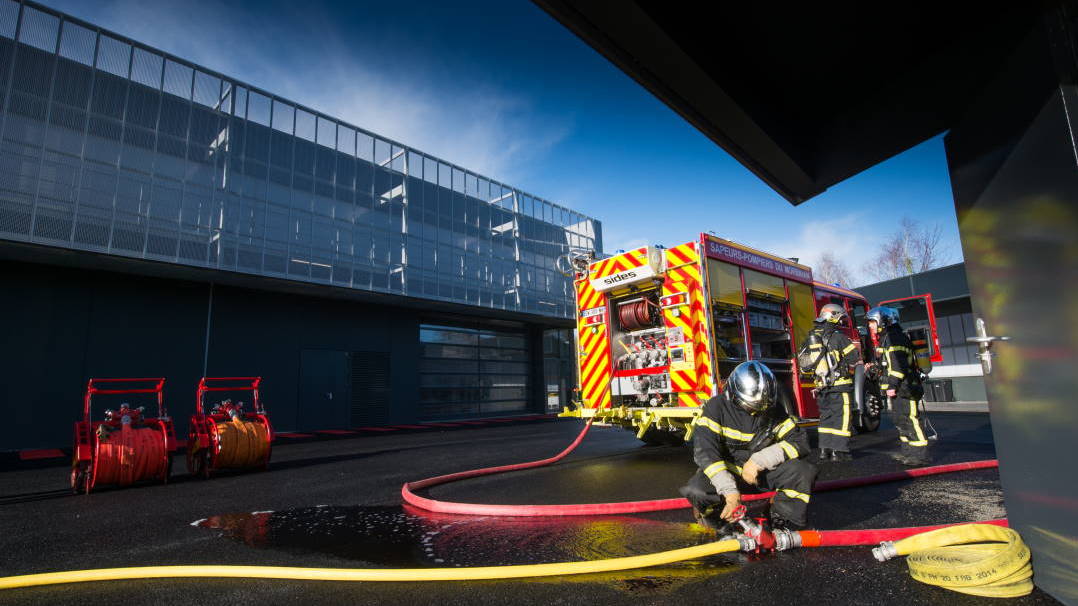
[
  {"x": 831, "y": 270},
  {"x": 911, "y": 249}
]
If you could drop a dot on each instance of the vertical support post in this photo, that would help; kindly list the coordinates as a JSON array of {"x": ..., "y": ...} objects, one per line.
[{"x": 206, "y": 342}]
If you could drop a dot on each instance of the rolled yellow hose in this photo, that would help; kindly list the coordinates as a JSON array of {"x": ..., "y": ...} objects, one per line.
[
  {"x": 373, "y": 574},
  {"x": 243, "y": 443},
  {"x": 978, "y": 559}
]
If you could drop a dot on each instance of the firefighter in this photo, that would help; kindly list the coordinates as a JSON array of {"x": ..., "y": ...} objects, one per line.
[
  {"x": 830, "y": 356},
  {"x": 747, "y": 438},
  {"x": 900, "y": 383}
]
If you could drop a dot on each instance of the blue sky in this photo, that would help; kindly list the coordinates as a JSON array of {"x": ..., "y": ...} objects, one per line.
[{"x": 501, "y": 88}]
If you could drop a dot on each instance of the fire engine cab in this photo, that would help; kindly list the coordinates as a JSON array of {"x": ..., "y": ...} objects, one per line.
[{"x": 658, "y": 330}]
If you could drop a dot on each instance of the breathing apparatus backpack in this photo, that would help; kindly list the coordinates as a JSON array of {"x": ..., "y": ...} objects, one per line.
[
  {"x": 919, "y": 338},
  {"x": 816, "y": 350}
]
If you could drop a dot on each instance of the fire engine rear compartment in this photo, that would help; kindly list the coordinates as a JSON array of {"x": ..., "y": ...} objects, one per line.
[{"x": 659, "y": 330}]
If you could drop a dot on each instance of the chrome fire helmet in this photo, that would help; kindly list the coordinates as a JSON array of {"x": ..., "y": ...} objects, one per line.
[
  {"x": 752, "y": 386},
  {"x": 832, "y": 312},
  {"x": 882, "y": 316}
]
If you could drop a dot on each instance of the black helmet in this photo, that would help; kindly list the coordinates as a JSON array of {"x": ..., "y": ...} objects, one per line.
[
  {"x": 752, "y": 386},
  {"x": 832, "y": 312},
  {"x": 882, "y": 316}
]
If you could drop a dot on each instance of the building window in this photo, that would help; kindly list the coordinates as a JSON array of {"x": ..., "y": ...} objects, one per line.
[{"x": 467, "y": 371}]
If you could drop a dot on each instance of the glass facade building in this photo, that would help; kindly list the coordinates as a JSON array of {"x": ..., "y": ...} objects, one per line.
[{"x": 110, "y": 146}]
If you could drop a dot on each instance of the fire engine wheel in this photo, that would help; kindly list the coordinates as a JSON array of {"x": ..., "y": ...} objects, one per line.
[{"x": 80, "y": 478}]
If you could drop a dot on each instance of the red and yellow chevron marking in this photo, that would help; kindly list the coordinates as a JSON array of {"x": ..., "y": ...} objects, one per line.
[
  {"x": 638, "y": 257},
  {"x": 683, "y": 275},
  {"x": 594, "y": 356},
  {"x": 693, "y": 398},
  {"x": 682, "y": 254}
]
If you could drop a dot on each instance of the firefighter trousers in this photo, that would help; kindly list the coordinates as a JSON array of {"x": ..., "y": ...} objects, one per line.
[
  {"x": 907, "y": 420},
  {"x": 791, "y": 480},
  {"x": 836, "y": 419}
]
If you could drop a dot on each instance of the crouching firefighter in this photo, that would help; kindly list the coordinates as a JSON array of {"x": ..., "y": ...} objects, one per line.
[
  {"x": 830, "y": 356},
  {"x": 900, "y": 382},
  {"x": 745, "y": 438}
]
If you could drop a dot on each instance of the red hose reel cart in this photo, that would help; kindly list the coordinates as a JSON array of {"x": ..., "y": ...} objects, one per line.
[
  {"x": 127, "y": 446},
  {"x": 228, "y": 437}
]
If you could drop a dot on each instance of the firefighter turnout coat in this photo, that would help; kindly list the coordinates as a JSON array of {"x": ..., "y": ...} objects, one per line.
[{"x": 727, "y": 437}]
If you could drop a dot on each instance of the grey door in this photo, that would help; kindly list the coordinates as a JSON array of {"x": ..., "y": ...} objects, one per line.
[
  {"x": 324, "y": 390},
  {"x": 1017, "y": 203}
]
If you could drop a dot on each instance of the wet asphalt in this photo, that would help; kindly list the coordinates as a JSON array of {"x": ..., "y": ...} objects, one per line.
[{"x": 336, "y": 503}]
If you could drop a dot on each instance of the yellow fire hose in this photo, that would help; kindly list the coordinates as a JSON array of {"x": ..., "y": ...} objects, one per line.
[
  {"x": 374, "y": 574},
  {"x": 977, "y": 559},
  {"x": 995, "y": 565}
]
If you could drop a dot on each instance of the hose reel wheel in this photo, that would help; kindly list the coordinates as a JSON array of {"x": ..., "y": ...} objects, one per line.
[
  {"x": 198, "y": 461},
  {"x": 80, "y": 477}
]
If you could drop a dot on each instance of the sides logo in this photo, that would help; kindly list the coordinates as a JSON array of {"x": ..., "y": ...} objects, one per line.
[{"x": 623, "y": 276}]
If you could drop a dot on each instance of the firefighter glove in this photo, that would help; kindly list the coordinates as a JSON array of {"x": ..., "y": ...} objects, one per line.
[
  {"x": 750, "y": 471},
  {"x": 733, "y": 501}
]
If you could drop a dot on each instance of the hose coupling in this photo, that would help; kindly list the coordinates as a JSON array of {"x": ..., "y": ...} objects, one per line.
[
  {"x": 786, "y": 539},
  {"x": 885, "y": 551},
  {"x": 748, "y": 544}
]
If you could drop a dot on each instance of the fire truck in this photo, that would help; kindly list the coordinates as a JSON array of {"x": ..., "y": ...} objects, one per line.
[{"x": 658, "y": 330}]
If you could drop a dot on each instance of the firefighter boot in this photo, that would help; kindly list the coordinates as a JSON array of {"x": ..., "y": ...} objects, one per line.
[{"x": 914, "y": 456}]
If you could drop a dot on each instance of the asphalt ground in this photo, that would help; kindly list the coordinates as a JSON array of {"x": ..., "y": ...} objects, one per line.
[{"x": 337, "y": 504}]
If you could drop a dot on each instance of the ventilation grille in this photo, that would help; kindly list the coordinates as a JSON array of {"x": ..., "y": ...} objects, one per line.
[{"x": 370, "y": 388}]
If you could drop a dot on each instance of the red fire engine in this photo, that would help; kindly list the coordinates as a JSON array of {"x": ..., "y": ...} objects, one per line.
[{"x": 658, "y": 329}]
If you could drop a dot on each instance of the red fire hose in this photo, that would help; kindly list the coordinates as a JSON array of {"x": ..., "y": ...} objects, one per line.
[
  {"x": 583, "y": 509},
  {"x": 843, "y": 538},
  {"x": 129, "y": 455},
  {"x": 635, "y": 315}
]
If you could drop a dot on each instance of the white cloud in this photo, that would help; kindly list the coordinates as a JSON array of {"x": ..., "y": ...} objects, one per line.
[
  {"x": 300, "y": 55},
  {"x": 848, "y": 237}
]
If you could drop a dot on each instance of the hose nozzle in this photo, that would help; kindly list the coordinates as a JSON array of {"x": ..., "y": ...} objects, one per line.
[{"x": 885, "y": 551}]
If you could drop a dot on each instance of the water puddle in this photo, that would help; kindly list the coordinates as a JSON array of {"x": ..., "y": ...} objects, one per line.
[{"x": 402, "y": 536}]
